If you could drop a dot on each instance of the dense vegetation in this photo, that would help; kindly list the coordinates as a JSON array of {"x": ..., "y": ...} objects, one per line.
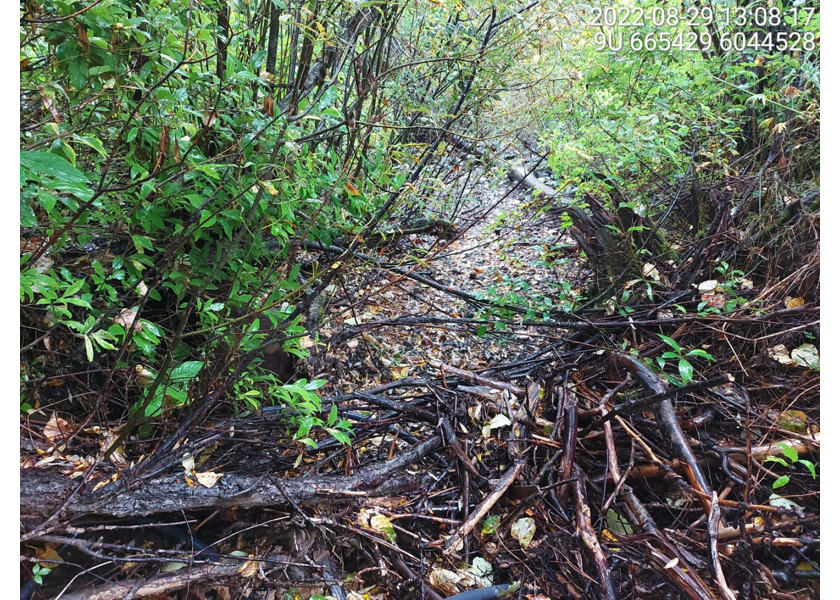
[{"x": 198, "y": 181}]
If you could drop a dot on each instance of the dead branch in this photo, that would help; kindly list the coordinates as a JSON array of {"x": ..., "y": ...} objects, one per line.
[
  {"x": 453, "y": 544},
  {"x": 470, "y": 376},
  {"x": 41, "y": 490},
  {"x": 590, "y": 539}
]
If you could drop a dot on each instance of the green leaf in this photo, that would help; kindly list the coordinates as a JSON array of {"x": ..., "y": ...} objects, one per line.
[
  {"x": 776, "y": 459},
  {"x": 304, "y": 427},
  {"x": 51, "y": 165},
  {"x": 701, "y": 353},
  {"x": 56, "y": 173},
  {"x": 686, "y": 370},
  {"x": 314, "y": 384},
  {"x": 186, "y": 371},
  {"x": 27, "y": 215},
  {"x": 155, "y": 404},
  {"x": 102, "y": 339},
  {"x": 75, "y": 287},
  {"x": 490, "y": 524},
  {"x": 339, "y": 435},
  {"x": 618, "y": 524},
  {"x": 810, "y": 466},
  {"x": 670, "y": 342},
  {"x": 88, "y": 348},
  {"x": 92, "y": 141},
  {"x": 780, "y": 482},
  {"x": 790, "y": 452}
]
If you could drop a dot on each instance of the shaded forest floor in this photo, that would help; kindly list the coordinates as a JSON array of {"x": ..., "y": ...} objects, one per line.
[{"x": 567, "y": 455}]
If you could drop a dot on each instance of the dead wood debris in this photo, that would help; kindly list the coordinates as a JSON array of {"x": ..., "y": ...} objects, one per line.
[{"x": 618, "y": 483}]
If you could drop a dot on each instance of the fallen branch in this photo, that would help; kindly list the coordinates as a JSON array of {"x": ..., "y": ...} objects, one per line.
[
  {"x": 714, "y": 555},
  {"x": 153, "y": 586},
  {"x": 453, "y": 544},
  {"x": 669, "y": 422},
  {"x": 42, "y": 490},
  {"x": 590, "y": 538},
  {"x": 470, "y": 376}
]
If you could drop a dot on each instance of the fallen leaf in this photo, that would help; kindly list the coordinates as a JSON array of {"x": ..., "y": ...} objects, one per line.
[
  {"x": 780, "y": 354},
  {"x": 57, "y": 429},
  {"x": 188, "y": 463},
  {"x": 708, "y": 286},
  {"x": 48, "y": 557},
  {"x": 714, "y": 300},
  {"x": 523, "y": 531},
  {"x": 793, "y": 420},
  {"x": 650, "y": 271},
  {"x": 496, "y": 422},
  {"x": 249, "y": 569},
  {"x": 117, "y": 456},
  {"x": 208, "y": 479},
  {"x": 399, "y": 373},
  {"x": 806, "y": 355},
  {"x": 445, "y": 580},
  {"x": 782, "y": 502},
  {"x": 364, "y": 517},
  {"x": 794, "y": 302},
  {"x": 482, "y": 571},
  {"x": 381, "y": 524}
]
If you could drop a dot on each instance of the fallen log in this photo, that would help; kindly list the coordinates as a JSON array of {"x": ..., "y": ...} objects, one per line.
[{"x": 42, "y": 491}]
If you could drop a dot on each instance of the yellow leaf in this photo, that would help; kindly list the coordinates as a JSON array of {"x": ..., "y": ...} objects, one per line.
[
  {"x": 48, "y": 557},
  {"x": 249, "y": 569},
  {"x": 381, "y": 524},
  {"x": 794, "y": 302},
  {"x": 269, "y": 188}
]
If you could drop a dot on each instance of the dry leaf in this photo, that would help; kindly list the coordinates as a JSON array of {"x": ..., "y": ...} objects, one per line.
[
  {"x": 208, "y": 479},
  {"x": 269, "y": 187},
  {"x": 57, "y": 429},
  {"x": 707, "y": 286},
  {"x": 249, "y": 569},
  {"x": 126, "y": 319},
  {"x": 189, "y": 464},
  {"x": 714, "y": 300},
  {"x": 445, "y": 580},
  {"x": 496, "y": 422},
  {"x": 806, "y": 355},
  {"x": 780, "y": 354},
  {"x": 209, "y": 117},
  {"x": 523, "y": 531},
  {"x": 650, "y": 271},
  {"x": 399, "y": 373},
  {"x": 794, "y": 302},
  {"x": 144, "y": 376},
  {"x": 793, "y": 420},
  {"x": 48, "y": 557},
  {"x": 117, "y": 457}
]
